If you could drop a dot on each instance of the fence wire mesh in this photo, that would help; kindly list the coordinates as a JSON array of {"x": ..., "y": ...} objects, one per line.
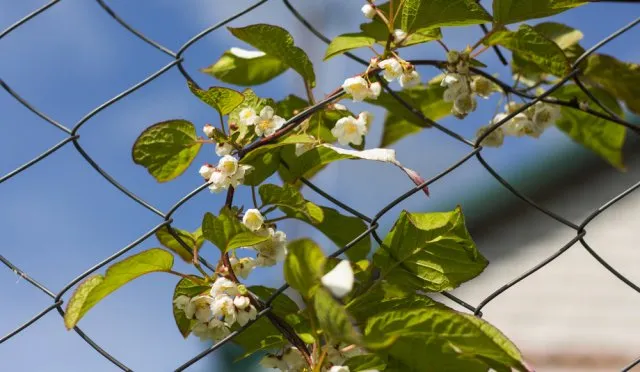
[{"x": 475, "y": 151}]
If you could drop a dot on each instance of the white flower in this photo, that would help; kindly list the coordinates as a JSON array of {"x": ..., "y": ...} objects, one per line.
[
  {"x": 301, "y": 148},
  {"x": 464, "y": 104},
  {"x": 208, "y": 130},
  {"x": 223, "y": 149},
  {"x": 392, "y": 69},
  {"x": 271, "y": 250},
  {"x": 481, "y": 86},
  {"x": 517, "y": 126},
  {"x": 253, "y": 219},
  {"x": 247, "y": 116},
  {"x": 366, "y": 117},
  {"x": 409, "y": 79},
  {"x": 368, "y": 11},
  {"x": 338, "y": 106},
  {"x": 273, "y": 362},
  {"x": 206, "y": 171},
  {"x": 228, "y": 165},
  {"x": 218, "y": 181},
  {"x": 374, "y": 90},
  {"x": 241, "y": 302},
  {"x": 222, "y": 306},
  {"x": 399, "y": 36},
  {"x": 202, "y": 331},
  {"x": 294, "y": 359},
  {"x": 494, "y": 139},
  {"x": 238, "y": 177},
  {"x": 545, "y": 115},
  {"x": 349, "y": 130},
  {"x": 243, "y": 266},
  {"x": 339, "y": 280},
  {"x": 181, "y": 302},
  {"x": 223, "y": 286},
  {"x": 218, "y": 329},
  {"x": 200, "y": 307},
  {"x": 246, "y": 315},
  {"x": 357, "y": 87},
  {"x": 268, "y": 123},
  {"x": 339, "y": 369}
]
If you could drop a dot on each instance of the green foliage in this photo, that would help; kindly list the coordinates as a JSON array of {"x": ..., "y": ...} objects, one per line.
[
  {"x": 246, "y": 70},
  {"x": 531, "y": 46},
  {"x": 224, "y": 100},
  {"x": 420, "y": 14},
  {"x": 227, "y": 232},
  {"x": 278, "y": 43},
  {"x": 166, "y": 149},
  {"x": 333, "y": 317},
  {"x": 622, "y": 79},
  {"x": 512, "y": 11},
  {"x": 194, "y": 240},
  {"x": 97, "y": 287},
  {"x": 291, "y": 201},
  {"x": 190, "y": 287},
  {"x": 303, "y": 266},
  {"x": 599, "y": 135},
  {"x": 347, "y": 42},
  {"x": 365, "y": 362},
  {"x": 429, "y": 252}
]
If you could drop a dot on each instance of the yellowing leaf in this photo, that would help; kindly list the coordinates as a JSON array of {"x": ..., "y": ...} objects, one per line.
[
  {"x": 254, "y": 68},
  {"x": 512, "y": 11}
]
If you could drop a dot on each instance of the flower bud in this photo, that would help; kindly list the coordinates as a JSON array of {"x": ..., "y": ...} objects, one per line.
[
  {"x": 369, "y": 11},
  {"x": 482, "y": 86},
  {"x": 399, "y": 36},
  {"x": 206, "y": 171},
  {"x": 208, "y": 130},
  {"x": 453, "y": 56}
]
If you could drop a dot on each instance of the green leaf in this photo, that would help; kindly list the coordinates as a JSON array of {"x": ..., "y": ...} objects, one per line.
[
  {"x": 378, "y": 30},
  {"x": 561, "y": 34},
  {"x": 166, "y": 149},
  {"x": 347, "y": 42},
  {"x": 240, "y": 67},
  {"x": 622, "y": 79},
  {"x": 512, "y": 11},
  {"x": 289, "y": 199},
  {"x": 430, "y": 252},
  {"x": 341, "y": 230},
  {"x": 278, "y": 43},
  {"x": 365, "y": 362},
  {"x": 282, "y": 305},
  {"x": 531, "y": 46},
  {"x": 418, "y": 14},
  {"x": 601, "y": 136},
  {"x": 290, "y": 106},
  {"x": 262, "y": 336},
  {"x": 189, "y": 287},
  {"x": 194, "y": 240},
  {"x": 333, "y": 318},
  {"x": 227, "y": 232},
  {"x": 97, "y": 287},
  {"x": 224, "y": 100},
  {"x": 400, "y": 122},
  {"x": 303, "y": 266},
  {"x": 422, "y": 333}
]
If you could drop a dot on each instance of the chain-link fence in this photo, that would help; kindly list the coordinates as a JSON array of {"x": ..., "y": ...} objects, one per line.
[{"x": 474, "y": 146}]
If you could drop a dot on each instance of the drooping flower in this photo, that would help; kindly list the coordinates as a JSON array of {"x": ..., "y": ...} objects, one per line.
[
  {"x": 247, "y": 116},
  {"x": 391, "y": 69},
  {"x": 208, "y": 130},
  {"x": 482, "y": 86},
  {"x": 200, "y": 307},
  {"x": 218, "y": 329},
  {"x": 271, "y": 250},
  {"x": 253, "y": 219},
  {"x": 222, "y": 306},
  {"x": 409, "y": 79},
  {"x": 339, "y": 280},
  {"x": 294, "y": 359},
  {"x": 494, "y": 139},
  {"x": 357, "y": 87},
  {"x": 268, "y": 123},
  {"x": 517, "y": 126},
  {"x": 366, "y": 117},
  {"x": 223, "y": 149},
  {"x": 228, "y": 165},
  {"x": 464, "y": 104},
  {"x": 456, "y": 85},
  {"x": 245, "y": 315},
  {"x": 181, "y": 302},
  {"x": 243, "y": 266},
  {"x": 223, "y": 286},
  {"x": 206, "y": 171},
  {"x": 349, "y": 130},
  {"x": 374, "y": 90},
  {"x": 368, "y": 10},
  {"x": 545, "y": 115}
]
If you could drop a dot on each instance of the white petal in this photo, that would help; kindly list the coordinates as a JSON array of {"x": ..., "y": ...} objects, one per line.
[
  {"x": 246, "y": 54},
  {"x": 339, "y": 280},
  {"x": 266, "y": 112}
]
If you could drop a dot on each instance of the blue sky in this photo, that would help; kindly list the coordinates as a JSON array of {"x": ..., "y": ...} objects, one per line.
[{"x": 61, "y": 217}]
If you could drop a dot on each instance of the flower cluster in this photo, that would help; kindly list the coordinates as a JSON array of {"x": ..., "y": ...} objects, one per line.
[
  {"x": 291, "y": 360},
  {"x": 531, "y": 122},
  {"x": 351, "y": 130},
  {"x": 227, "y": 173},
  {"x": 266, "y": 123},
  {"x": 461, "y": 87},
  {"x": 269, "y": 252},
  {"x": 395, "y": 68},
  {"x": 360, "y": 89},
  {"x": 217, "y": 311}
]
